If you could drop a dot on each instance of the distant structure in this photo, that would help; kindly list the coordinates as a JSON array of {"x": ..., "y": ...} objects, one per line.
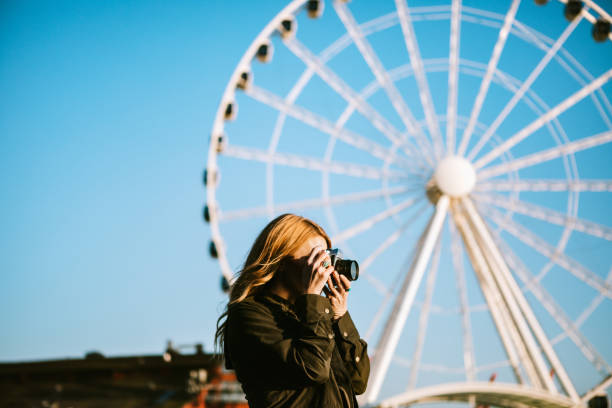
[
  {"x": 170, "y": 380},
  {"x": 439, "y": 144}
]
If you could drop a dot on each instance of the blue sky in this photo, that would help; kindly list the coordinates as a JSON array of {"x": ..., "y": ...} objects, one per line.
[{"x": 105, "y": 118}]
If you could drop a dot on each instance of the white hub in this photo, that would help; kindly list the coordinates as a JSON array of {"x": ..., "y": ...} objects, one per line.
[{"x": 455, "y": 176}]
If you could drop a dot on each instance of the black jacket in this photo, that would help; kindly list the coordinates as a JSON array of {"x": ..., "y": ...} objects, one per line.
[{"x": 294, "y": 355}]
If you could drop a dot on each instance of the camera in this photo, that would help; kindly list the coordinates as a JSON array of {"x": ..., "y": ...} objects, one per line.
[{"x": 346, "y": 267}]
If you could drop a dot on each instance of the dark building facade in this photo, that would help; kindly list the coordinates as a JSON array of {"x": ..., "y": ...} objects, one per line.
[{"x": 166, "y": 381}]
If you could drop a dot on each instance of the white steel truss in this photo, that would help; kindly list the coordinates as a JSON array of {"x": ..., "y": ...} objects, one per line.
[
  {"x": 570, "y": 328},
  {"x": 514, "y": 349},
  {"x": 524, "y": 87},
  {"x": 313, "y": 203},
  {"x": 453, "y": 71},
  {"x": 424, "y": 316},
  {"x": 403, "y": 302},
  {"x": 543, "y": 247},
  {"x": 326, "y": 126},
  {"x": 546, "y": 214},
  {"x": 492, "y": 263},
  {"x": 381, "y": 75},
  {"x": 417, "y": 66},
  {"x": 311, "y": 163},
  {"x": 344, "y": 90},
  {"x": 538, "y": 123},
  {"x": 457, "y": 259},
  {"x": 544, "y": 185},
  {"x": 512, "y": 294},
  {"x": 546, "y": 155},
  {"x": 370, "y": 222},
  {"x": 492, "y": 65}
]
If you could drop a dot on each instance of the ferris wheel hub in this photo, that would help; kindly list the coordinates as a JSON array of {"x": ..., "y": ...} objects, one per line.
[{"x": 455, "y": 176}]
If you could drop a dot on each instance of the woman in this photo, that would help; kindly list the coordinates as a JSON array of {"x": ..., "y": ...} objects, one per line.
[{"x": 290, "y": 346}]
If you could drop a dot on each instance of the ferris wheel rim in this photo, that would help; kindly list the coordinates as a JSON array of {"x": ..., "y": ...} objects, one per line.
[{"x": 270, "y": 28}]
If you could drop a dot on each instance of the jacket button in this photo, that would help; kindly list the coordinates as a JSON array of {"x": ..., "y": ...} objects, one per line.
[
  {"x": 330, "y": 336},
  {"x": 357, "y": 359},
  {"x": 345, "y": 334},
  {"x": 327, "y": 310}
]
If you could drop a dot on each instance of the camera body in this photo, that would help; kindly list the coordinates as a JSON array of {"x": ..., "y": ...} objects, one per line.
[{"x": 346, "y": 267}]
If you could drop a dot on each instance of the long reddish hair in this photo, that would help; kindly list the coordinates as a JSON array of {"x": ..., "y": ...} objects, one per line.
[{"x": 281, "y": 238}]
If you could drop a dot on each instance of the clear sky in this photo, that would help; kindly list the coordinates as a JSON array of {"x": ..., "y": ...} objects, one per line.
[{"x": 105, "y": 115}]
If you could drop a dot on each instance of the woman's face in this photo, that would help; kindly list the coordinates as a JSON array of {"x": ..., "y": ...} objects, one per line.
[
  {"x": 294, "y": 278},
  {"x": 304, "y": 251}
]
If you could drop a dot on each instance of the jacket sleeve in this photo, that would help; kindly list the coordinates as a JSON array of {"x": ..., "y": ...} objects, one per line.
[
  {"x": 354, "y": 352},
  {"x": 255, "y": 339}
]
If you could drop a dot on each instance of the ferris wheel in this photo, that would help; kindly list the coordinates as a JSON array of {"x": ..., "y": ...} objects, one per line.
[{"x": 446, "y": 147}]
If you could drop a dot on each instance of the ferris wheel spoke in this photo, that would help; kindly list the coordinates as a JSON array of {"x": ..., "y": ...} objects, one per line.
[
  {"x": 377, "y": 317},
  {"x": 392, "y": 238},
  {"x": 453, "y": 71},
  {"x": 545, "y": 185},
  {"x": 370, "y": 222},
  {"x": 524, "y": 87},
  {"x": 486, "y": 81},
  {"x": 548, "y": 116},
  {"x": 570, "y": 329},
  {"x": 424, "y": 315},
  {"x": 311, "y": 163},
  {"x": 588, "y": 311},
  {"x": 543, "y": 247},
  {"x": 314, "y": 203},
  {"x": 326, "y": 126},
  {"x": 464, "y": 306},
  {"x": 419, "y": 72},
  {"x": 545, "y": 214},
  {"x": 377, "y": 252},
  {"x": 381, "y": 75},
  {"x": 545, "y": 155},
  {"x": 346, "y": 92}
]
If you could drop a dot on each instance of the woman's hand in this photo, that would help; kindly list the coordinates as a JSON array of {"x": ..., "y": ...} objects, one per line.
[
  {"x": 317, "y": 270},
  {"x": 338, "y": 293}
]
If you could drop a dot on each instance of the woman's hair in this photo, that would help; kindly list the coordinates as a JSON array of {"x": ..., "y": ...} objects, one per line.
[{"x": 282, "y": 237}]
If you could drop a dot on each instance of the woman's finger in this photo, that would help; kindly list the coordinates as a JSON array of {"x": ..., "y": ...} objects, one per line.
[
  {"x": 346, "y": 283},
  {"x": 320, "y": 258},
  {"x": 331, "y": 286},
  {"x": 315, "y": 251}
]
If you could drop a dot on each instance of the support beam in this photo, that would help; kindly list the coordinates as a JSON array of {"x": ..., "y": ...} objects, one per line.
[
  {"x": 512, "y": 291},
  {"x": 424, "y": 316},
  {"x": 464, "y": 306},
  {"x": 403, "y": 302},
  {"x": 514, "y": 349}
]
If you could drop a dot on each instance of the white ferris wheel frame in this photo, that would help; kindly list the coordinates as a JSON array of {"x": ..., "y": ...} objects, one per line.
[{"x": 525, "y": 343}]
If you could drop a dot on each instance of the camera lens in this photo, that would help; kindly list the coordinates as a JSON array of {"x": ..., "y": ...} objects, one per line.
[{"x": 348, "y": 268}]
